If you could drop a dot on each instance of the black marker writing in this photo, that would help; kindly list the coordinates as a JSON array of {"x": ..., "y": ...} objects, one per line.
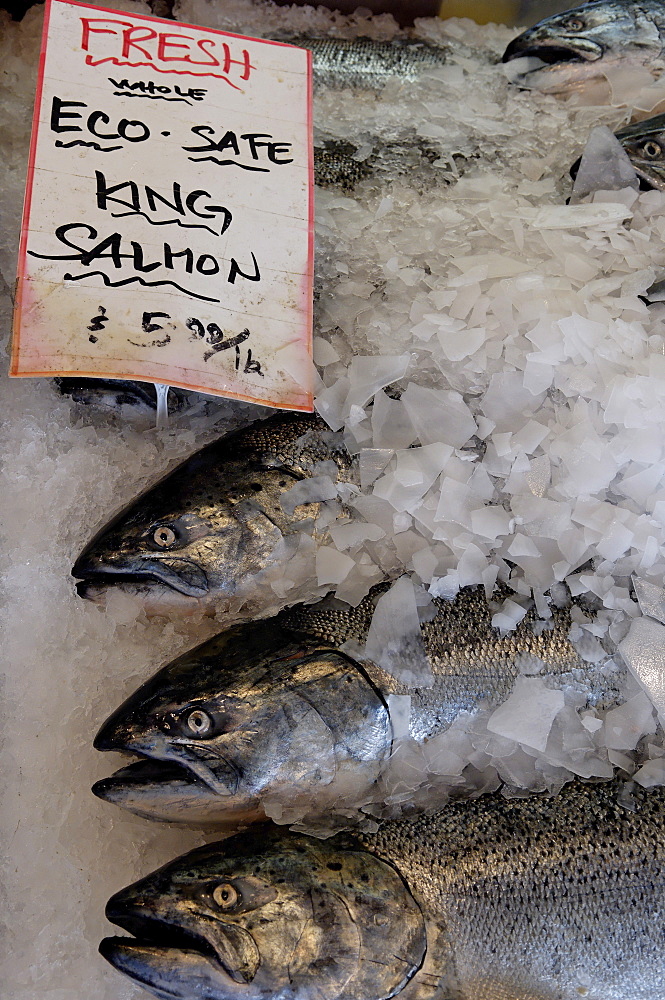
[
  {"x": 141, "y": 88},
  {"x": 112, "y": 248},
  {"x": 251, "y": 365},
  {"x": 246, "y": 149},
  {"x": 148, "y": 326},
  {"x": 214, "y": 336},
  {"x": 131, "y": 130},
  {"x": 140, "y": 200},
  {"x": 97, "y": 322},
  {"x": 235, "y": 271}
]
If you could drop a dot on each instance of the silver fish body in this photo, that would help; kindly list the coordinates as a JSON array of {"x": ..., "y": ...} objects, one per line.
[
  {"x": 203, "y": 535},
  {"x": 366, "y": 64},
  {"x": 534, "y": 899},
  {"x": 583, "y": 43},
  {"x": 279, "y": 713}
]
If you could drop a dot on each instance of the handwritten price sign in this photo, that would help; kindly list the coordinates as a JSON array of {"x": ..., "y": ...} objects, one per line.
[{"x": 167, "y": 230}]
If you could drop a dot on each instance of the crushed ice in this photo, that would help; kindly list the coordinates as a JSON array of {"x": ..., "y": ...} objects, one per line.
[{"x": 522, "y": 443}]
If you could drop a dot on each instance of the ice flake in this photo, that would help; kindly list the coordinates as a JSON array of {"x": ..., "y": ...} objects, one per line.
[
  {"x": 305, "y": 491},
  {"x": 651, "y": 598},
  {"x": 391, "y": 424},
  {"x": 506, "y": 401},
  {"x": 459, "y": 344},
  {"x": 414, "y": 472},
  {"x": 324, "y": 352},
  {"x": 542, "y": 517},
  {"x": 394, "y": 641},
  {"x": 509, "y": 616},
  {"x": 591, "y": 722},
  {"x": 528, "y": 714},
  {"x": 332, "y": 566},
  {"x": 651, "y": 774},
  {"x": 372, "y": 462},
  {"x": 369, "y": 374},
  {"x": 439, "y": 415},
  {"x": 522, "y": 545},
  {"x": 399, "y": 710},
  {"x": 491, "y": 521},
  {"x": 605, "y": 217},
  {"x": 626, "y": 724},
  {"x": 643, "y": 649},
  {"x": 346, "y": 536}
]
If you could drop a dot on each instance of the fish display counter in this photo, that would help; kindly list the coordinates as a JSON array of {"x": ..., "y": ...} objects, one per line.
[{"x": 417, "y": 634}]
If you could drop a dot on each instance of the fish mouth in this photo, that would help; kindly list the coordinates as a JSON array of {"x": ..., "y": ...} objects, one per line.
[
  {"x": 141, "y": 776},
  {"x": 574, "y": 50},
  {"x": 180, "y": 575},
  {"x": 156, "y": 788},
  {"x": 158, "y": 944},
  {"x": 168, "y": 792}
]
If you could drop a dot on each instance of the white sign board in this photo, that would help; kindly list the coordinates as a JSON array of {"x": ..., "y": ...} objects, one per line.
[{"x": 168, "y": 223}]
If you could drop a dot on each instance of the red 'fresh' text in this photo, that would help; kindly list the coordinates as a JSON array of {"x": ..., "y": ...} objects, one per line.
[{"x": 125, "y": 44}]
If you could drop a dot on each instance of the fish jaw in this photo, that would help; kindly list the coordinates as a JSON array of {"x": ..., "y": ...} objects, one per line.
[
  {"x": 169, "y": 973},
  {"x": 181, "y": 575},
  {"x": 171, "y": 960},
  {"x": 254, "y": 714},
  {"x": 167, "y": 793}
]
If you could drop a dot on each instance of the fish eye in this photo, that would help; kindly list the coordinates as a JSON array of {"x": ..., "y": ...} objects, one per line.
[
  {"x": 225, "y": 895},
  {"x": 163, "y": 536},
  {"x": 651, "y": 149},
  {"x": 199, "y": 722},
  {"x": 574, "y": 24}
]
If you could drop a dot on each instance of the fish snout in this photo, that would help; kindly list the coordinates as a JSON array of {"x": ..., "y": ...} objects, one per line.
[
  {"x": 118, "y": 733},
  {"x": 516, "y": 49},
  {"x": 93, "y": 570}
]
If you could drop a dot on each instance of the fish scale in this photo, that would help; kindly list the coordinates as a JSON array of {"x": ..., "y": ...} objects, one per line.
[
  {"x": 551, "y": 898},
  {"x": 531, "y": 899},
  {"x": 470, "y": 660},
  {"x": 367, "y": 64}
]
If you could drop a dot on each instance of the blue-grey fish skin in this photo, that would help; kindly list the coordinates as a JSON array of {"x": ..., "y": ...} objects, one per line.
[
  {"x": 533, "y": 899},
  {"x": 278, "y": 711},
  {"x": 581, "y": 44},
  {"x": 201, "y": 536}
]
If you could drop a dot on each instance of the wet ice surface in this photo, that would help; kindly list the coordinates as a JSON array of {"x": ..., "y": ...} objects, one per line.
[{"x": 533, "y": 386}]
